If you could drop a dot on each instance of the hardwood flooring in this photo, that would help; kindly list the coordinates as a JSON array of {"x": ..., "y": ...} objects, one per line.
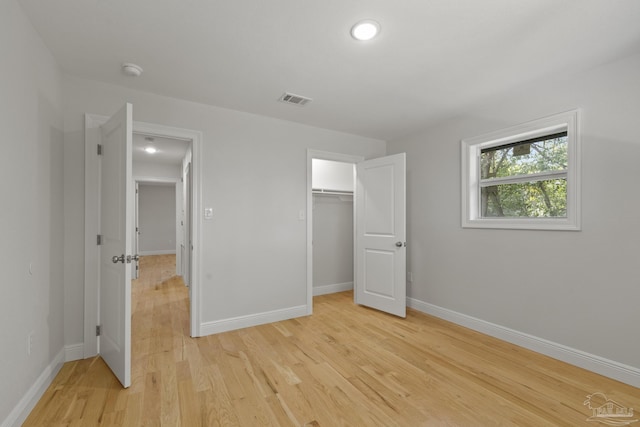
[{"x": 345, "y": 365}]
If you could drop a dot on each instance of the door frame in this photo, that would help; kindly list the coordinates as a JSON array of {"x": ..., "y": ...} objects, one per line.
[
  {"x": 324, "y": 155},
  {"x": 168, "y": 182},
  {"x": 135, "y": 242},
  {"x": 92, "y": 222}
]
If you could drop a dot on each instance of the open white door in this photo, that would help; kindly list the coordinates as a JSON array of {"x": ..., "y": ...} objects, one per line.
[
  {"x": 188, "y": 236},
  {"x": 380, "y": 244},
  {"x": 136, "y": 232},
  {"x": 116, "y": 204}
]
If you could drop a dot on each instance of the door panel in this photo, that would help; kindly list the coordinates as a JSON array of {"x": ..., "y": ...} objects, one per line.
[
  {"x": 381, "y": 234},
  {"x": 379, "y": 201},
  {"x": 378, "y": 270},
  {"x": 116, "y": 203}
]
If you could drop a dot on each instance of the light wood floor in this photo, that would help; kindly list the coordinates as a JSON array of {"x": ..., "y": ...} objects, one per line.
[{"x": 344, "y": 366}]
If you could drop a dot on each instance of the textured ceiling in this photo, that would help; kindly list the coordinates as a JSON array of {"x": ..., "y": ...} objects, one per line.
[{"x": 433, "y": 57}]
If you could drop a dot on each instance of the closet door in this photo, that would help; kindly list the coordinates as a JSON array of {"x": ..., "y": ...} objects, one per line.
[{"x": 380, "y": 250}]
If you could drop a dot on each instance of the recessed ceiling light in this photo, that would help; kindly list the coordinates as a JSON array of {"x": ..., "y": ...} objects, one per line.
[
  {"x": 150, "y": 150},
  {"x": 365, "y": 30}
]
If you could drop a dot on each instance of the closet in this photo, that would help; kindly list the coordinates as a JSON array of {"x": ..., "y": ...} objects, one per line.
[{"x": 332, "y": 188}]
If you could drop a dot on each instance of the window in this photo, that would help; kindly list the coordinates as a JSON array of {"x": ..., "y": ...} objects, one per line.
[{"x": 524, "y": 177}]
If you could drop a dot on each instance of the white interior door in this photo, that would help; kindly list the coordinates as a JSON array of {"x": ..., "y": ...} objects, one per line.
[
  {"x": 136, "y": 232},
  {"x": 188, "y": 236},
  {"x": 380, "y": 246},
  {"x": 116, "y": 205}
]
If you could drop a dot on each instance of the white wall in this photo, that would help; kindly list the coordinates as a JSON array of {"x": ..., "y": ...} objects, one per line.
[
  {"x": 254, "y": 177},
  {"x": 332, "y": 241},
  {"x": 155, "y": 170},
  {"x": 332, "y": 175},
  {"x": 157, "y": 219},
  {"x": 579, "y": 289},
  {"x": 31, "y": 217}
]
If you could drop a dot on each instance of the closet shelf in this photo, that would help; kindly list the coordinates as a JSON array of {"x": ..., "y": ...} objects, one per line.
[{"x": 331, "y": 192}]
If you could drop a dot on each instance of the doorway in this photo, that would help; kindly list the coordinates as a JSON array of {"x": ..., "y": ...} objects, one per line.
[
  {"x": 330, "y": 223},
  {"x": 379, "y": 224},
  {"x": 92, "y": 218},
  {"x": 161, "y": 206},
  {"x": 332, "y": 187}
]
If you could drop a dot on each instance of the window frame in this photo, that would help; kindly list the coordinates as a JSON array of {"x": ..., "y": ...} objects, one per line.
[{"x": 470, "y": 173}]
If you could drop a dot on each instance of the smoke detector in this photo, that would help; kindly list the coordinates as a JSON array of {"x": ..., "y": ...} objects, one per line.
[
  {"x": 131, "y": 70},
  {"x": 291, "y": 98}
]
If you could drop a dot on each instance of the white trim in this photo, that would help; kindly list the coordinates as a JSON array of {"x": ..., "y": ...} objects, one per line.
[
  {"x": 591, "y": 362},
  {"x": 91, "y": 230},
  {"x": 73, "y": 352},
  {"x": 470, "y": 173},
  {"x": 324, "y": 155},
  {"x": 155, "y": 180},
  {"x": 533, "y": 177},
  {"x": 332, "y": 289},
  {"x": 24, "y": 407},
  {"x": 160, "y": 252},
  {"x": 92, "y": 220},
  {"x": 240, "y": 322},
  {"x": 196, "y": 230}
]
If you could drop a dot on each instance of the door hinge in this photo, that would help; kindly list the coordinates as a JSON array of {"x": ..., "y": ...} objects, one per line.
[
  {"x": 99, "y": 239},
  {"x": 98, "y": 330},
  {"x": 99, "y": 149}
]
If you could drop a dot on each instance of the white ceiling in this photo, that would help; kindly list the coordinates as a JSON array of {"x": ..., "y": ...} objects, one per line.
[
  {"x": 432, "y": 58},
  {"x": 169, "y": 151}
]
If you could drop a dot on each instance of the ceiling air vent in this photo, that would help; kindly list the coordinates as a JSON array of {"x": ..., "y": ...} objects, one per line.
[{"x": 290, "y": 98}]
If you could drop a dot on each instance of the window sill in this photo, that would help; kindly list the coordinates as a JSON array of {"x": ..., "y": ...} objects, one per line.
[{"x": 555, "y": 224}]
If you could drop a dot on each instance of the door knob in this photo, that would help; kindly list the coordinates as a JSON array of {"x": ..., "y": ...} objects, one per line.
[
  {"x": 115, "y": 259},
  {"x": 399, "y": 244},
  {"x": 130, "y": 258}
]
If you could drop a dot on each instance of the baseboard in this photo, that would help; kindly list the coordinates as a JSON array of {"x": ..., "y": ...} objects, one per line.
[
  {"x": 73, "y": 352},
  {"x": 167, "y": 252},
  {"x": 332, "y": 289},
  {"x": 609, "y": 368},
  {"x": 215, "y": 327},
  {"x": 32, "y": 396}
]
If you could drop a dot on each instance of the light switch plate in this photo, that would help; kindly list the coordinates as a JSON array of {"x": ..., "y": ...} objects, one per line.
[{"x": 208, "y": 213}]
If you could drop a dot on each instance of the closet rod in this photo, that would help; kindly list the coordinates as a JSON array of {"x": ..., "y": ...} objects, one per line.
[{"x": 332, "y": 192}]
